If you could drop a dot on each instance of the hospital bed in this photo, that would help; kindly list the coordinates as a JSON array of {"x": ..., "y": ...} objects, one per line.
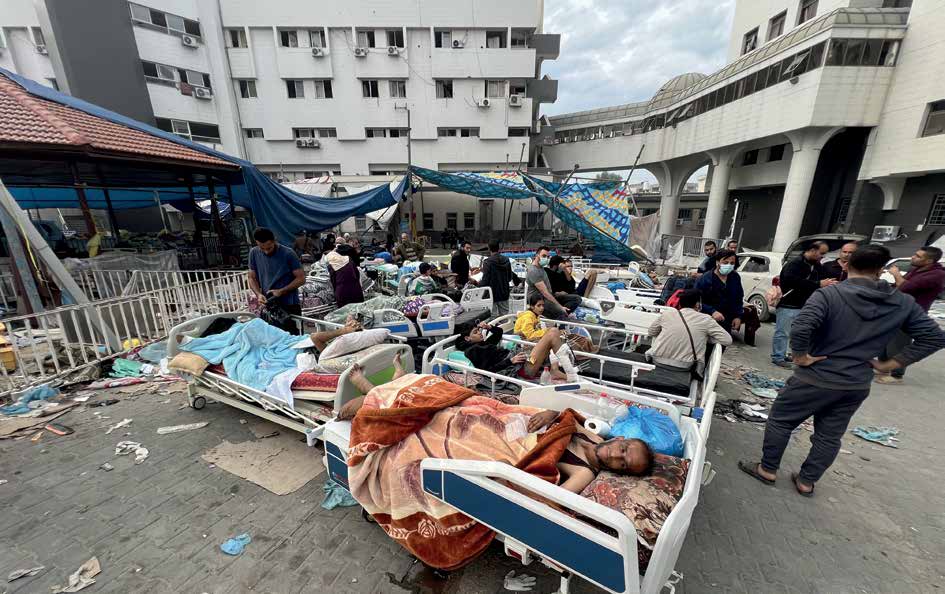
[
  {"x": 431, "y": 321},
  {"x": 303, "y": 415},
  {"x": 577, "y": 537},
  {"x": 638, "y": 296}
]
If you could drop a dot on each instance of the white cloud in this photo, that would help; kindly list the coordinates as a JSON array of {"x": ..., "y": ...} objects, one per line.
[{"x": 619, "y": 51}]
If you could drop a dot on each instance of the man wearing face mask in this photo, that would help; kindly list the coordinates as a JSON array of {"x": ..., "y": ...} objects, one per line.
[
  {"x": 556, "y": 307},
  {"x": 722, "y": 293}
]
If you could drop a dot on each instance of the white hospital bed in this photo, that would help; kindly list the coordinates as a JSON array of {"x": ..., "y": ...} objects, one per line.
[
  {"x": 303, "y": 416},
  {"x": 431, "y": 322},
  {"x": 493, "y": 493}
]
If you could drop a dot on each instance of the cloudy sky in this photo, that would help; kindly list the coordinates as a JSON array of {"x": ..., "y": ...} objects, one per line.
[{"x": 619, "y": 51}]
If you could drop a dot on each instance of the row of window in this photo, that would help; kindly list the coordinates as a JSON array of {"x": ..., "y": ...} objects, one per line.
[
  {"x": 529, "y": 220},
  {"x": 196, "y": 131},
  {"x": 370, "y": 88},
  {"x": 380, "y": 132},
  {"x": 842, "y": 52},
  {"x": 315, "y": 37},
  {"x": 174, "y": 75},
  {"x": 169, "y": 23},
  {"x": 775, "y": 153}
]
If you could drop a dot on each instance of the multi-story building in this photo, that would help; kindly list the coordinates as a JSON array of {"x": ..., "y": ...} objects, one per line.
[
  {"x": 304, "y": 89},
  {"x": 829, "y": 115}
]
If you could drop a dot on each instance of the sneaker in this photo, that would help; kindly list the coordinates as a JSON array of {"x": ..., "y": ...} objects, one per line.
[
  {"x": 783, "y": 364},
  {"x": 887, "y": 379}
]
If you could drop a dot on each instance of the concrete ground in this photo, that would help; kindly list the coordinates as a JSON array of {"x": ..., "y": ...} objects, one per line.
[{"x": 876, "y": 523}]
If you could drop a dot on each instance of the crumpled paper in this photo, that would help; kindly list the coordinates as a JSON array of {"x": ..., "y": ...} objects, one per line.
[
  {"x": 28, "y": 572},
  {"x": 82, "y": 578},
  {"x": 123, "y": 448}
]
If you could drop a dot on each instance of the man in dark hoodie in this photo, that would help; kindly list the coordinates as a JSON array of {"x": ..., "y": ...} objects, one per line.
[
  {"x": 835, "y": 340},
  {"x": 497, "y": 274},
  {"x": 925, "y": 282}
]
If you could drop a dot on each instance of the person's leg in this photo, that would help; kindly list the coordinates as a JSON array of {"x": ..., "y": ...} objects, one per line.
[
  {"x": 591, "y": 278},
  {"x": 900, "y": 341},
  {"x": 830, "y": 423},
  {"x": 554, "y": 312},
  {"x": 551, "y": 341},
  {"x": 581, "y": 287},
  {"x": 500, "y": 308},
  {"x": 782, "y": 333},
  {"x": 796, "y": 402}
]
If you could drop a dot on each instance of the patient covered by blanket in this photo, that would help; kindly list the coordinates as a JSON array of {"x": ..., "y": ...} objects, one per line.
[{"x": 422, "y": 416}]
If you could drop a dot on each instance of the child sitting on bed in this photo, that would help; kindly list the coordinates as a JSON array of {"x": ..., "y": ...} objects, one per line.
[
  {"x": 528, "y": 326},
  {"x": 482, "y": 347},
  {"x": 586, "y": 455}
]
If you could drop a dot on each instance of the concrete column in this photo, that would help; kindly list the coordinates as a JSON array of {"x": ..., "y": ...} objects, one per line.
[
  {"x": 669, "y": 209},
  {"x": 796, "y": 194},
  {"x": 718, "y": 197}
]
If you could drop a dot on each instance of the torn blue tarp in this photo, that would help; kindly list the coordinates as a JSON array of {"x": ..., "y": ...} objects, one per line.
[{"x": 274, "y": 206}]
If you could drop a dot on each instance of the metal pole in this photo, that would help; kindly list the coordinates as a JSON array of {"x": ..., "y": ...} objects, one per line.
[
  {"x": 553, "y": 201},
  {"x": 157, "y": 200},
  {"x": 626, "y": 184},
  {"x": 83, "y": 202},
  {"x": 521, "y": 156},
  {"x": 108, "y": 202},
  {"x": 22, "y": 273}
]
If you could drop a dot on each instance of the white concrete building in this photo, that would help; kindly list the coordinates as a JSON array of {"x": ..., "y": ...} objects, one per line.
[
  {"x": 304, "y": 89},
  {"x": 829, "y": 115}
]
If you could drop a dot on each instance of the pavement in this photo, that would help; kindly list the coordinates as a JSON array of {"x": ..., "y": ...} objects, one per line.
[{"x": 876, "y": 523}]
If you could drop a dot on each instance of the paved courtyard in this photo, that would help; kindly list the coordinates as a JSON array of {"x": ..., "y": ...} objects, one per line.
[{"x": 877, "y": 523}]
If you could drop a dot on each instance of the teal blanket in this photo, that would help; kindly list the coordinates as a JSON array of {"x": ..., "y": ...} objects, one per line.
[{"x": 252, "y": 353}]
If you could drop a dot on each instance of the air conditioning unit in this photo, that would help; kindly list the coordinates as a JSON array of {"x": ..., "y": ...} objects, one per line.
[
  {"x": 458, "y": 43},
  {"x": 393, "y": 50},
  {"x": 516, "y": 100},
  {"x": 307, "y": 143},
  {"x": 41, "y": 49},
  {"x": 360, "y": 52},
  {"x": 318, "y": 52},
  {"x": 885, "y": 233},
  {"x": 484, "y": 102},
  {"x": 202, "y": 93},
  {"x": 189, "y": 40}
]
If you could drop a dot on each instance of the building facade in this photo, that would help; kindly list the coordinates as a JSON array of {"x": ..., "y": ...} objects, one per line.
[
  {"x": 829, "y": 115},
  {"x": 306, "y": 89}
]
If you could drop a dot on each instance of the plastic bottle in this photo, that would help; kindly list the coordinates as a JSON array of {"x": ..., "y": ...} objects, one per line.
[
  {"x": 609, "y": 408},
  {"x": 545, "y": 378}
]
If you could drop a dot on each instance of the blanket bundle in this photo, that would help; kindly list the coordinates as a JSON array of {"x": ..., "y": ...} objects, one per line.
[{"x": 422, "y": 416}]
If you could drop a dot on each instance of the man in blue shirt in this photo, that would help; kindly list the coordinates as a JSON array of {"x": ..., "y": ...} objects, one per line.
[{"x": 275, "y": 274}]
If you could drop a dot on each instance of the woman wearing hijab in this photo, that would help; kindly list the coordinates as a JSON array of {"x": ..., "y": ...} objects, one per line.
[{"x": 344, "y": 274}]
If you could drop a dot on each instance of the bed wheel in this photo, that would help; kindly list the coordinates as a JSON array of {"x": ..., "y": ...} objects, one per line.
[
  {"x": 367, "y": 517},
  {"x": 198, "y": 402}
]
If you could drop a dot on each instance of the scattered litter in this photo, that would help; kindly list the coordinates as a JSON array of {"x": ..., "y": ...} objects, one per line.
[
  {"x": 730, "y": 418},
  {"x": 354, "y": 580},
  {"x": 843, "y": 451},
  {"x": 336, "y": 496},
  {"x": 751, "y": 412},
  {"x": 81, "y": 398},
  {"x": 235, "y": 545},
  {"x": 108, "y": 402},
  {"x": 518, "y": 583},
  {"x": 769, "y": 393},
  {"x": 865, "y": 459},
  {"x": 114, "y": 383},
  {"x": 3, "y": 481},
  {"x": 127, "y": 447},
  {"x": 844, "y": 474},
  {"x": 179, "y": 428},
  {"x": 281, "y": 465},
  {"x": 37, "y": 436},
  {"x": 59, "y": 429},
  {"x": 19, "y": 573},
  {"x": 243, "y": 421},
  {"x": 22, "y": 426},
  {"x": 29, "y": 400},
  {"x": 913, "y": 528},
  {"x": 119, "y": 425},
  {"x": 82, "y": 578},
  {"x": 107, "y": 467},
  {"x": 759, "y": 380},
  {"x": 129, "y": 368},
  {"x": 881, "y": 435}
]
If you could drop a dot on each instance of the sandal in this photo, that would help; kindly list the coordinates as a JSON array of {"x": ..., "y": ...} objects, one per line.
[
  {"x": 795, "y": 478},
  {"x": 751, "y": 469}
]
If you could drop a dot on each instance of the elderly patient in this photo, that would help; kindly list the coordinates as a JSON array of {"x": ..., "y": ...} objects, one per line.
[{"x": 586, "y": 455}]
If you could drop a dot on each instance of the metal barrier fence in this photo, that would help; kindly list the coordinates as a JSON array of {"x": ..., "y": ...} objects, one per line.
[
  {"x": 692, "y": 246},
  {"x": 65, "y": 342},
  {"x": 106, "y": 284}
]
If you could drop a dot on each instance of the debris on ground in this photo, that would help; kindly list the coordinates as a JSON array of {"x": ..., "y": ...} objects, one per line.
[
  {"x": 234, "y": 546},
  {"x": 102, "y": 403},
  {"x": 123, "y": 448},
  {"x": 769, "y": 393},
  {"x": 107, "y": 467},
  {"x": 59, "y": 429},
  {"x": 82, "y": 578},
  {"x": 281, "y": 465},
  {"x": 179, "y": 428},
  {"x": 119, "y": 425},
  {"x": 30, "y": 400},
  {"x": 881, "y": 435},
  {"x": 518, "y": 583},
  {"x": 336, "y": 496},
  {"x": 757, "y": 379},
  {"x": 3, "y": 481},
  {"x": 21, "y": 573},
  {"x": 22, "y": 426}
]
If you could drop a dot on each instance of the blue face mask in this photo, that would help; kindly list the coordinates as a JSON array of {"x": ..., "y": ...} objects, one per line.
[
  {"x": 544, "y": 261},
  {"x": 725, "y": 269}
]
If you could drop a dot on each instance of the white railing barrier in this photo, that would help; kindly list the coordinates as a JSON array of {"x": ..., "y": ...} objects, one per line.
[{"x": 52, "y": 344}]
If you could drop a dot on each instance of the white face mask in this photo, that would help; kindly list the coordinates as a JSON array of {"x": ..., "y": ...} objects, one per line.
[{"x": 725, "y": 269}]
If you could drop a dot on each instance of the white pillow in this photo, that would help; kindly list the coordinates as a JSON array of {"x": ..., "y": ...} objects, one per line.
[{"x": 356, "y": 341}]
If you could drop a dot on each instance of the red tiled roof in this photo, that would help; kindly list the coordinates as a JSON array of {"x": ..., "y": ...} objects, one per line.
[{"x": 27, "y": 119}]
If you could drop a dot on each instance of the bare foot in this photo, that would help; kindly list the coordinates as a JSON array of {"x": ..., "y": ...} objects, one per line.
[
  {"x": 398, "y": 366},
  {"x": 358, "y": 380}
]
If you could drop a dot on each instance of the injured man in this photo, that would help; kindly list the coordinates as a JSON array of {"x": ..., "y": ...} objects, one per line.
[{"x": 413, "y": 417}]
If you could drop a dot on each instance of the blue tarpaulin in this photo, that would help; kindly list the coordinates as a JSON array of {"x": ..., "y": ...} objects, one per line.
[{"x": 274, "y": 206}]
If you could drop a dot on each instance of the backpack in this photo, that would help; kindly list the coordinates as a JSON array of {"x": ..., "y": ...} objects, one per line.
[{"x": 773, "y": 296}]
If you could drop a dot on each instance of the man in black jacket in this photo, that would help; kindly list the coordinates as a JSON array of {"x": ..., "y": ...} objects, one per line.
[
  {"x": 708, "y": 264},
  {"x": 459, "y": 264},
  {"x": 835, "y": 340},
  {"x": 800, "y": 277},
  {"x": 497, "y": 274}
]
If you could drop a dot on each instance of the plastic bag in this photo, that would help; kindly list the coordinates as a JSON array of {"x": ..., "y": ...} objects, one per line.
[{"x": 651, "y": 426}]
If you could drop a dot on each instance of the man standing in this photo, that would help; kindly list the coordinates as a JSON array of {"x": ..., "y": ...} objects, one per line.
[
  {"x": 799, "y": 279},
  {"x": 925, "y": 282},
  {"x": 835, "y": 339},
  {"x": 837, "y": 269},
  {"x": 556, "y": 308},
  {"x": 497, "y": 274},
  {"x": 275, "y": 274},
  {"x": 709, "y": 250},
  {"x": 459, "y": 264}
]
